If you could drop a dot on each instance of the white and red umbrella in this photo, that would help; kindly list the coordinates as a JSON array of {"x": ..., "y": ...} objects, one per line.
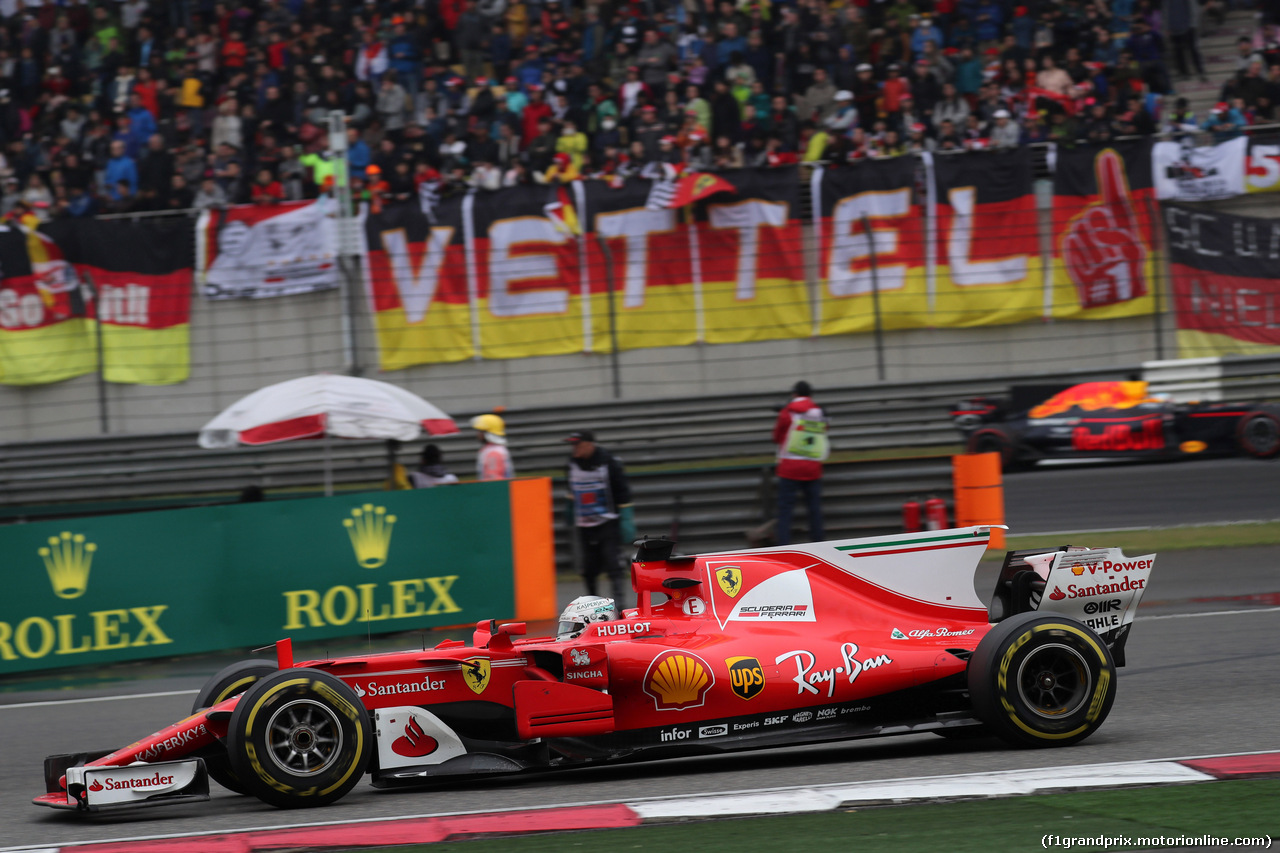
[{"x": 323, "y": 406}]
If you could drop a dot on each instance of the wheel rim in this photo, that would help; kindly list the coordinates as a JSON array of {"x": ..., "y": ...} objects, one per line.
[
  {"x": 304, "y": 737},
  {"x": 1262, "y": 434},
  {"x": 1054, "y": 681}
]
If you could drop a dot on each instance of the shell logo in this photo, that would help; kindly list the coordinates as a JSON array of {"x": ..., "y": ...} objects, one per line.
[
  {"x": 678, "y": 680},
  {"x": 1193, "y": 447}
]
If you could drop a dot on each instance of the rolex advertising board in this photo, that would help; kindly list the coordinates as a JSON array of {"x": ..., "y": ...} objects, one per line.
[{"x": 111, "y": 588}]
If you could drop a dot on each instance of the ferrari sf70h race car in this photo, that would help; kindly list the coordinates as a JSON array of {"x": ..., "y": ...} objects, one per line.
[
  {"x": 1119, "y": 420},
  {"x": 730, "y": 651}
]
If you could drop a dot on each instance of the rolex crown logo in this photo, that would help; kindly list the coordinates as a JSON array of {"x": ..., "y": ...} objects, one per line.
[
  {"x": 67, "y": 560},
  {"x": 370, "y": 530}
]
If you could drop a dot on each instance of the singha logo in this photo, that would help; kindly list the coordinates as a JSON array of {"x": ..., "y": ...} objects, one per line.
[{"x": 580, "y": 658}]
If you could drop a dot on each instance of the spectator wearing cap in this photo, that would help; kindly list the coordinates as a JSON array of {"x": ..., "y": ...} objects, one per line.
[
  {"x": 845, "y": 115},
  {"x": 602, "y": 515},
  {"x": 1005, "y": 133},
  {"x": 924, "y": 31},
  {"x": 1224, "y": 122}
]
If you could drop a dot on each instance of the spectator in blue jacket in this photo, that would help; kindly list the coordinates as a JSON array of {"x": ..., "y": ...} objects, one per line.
[
  {"x": 404, "y": 55},
  {"x": 120, "y": 168}
]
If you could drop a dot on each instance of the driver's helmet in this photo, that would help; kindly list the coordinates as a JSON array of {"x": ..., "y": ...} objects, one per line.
[{"x": 581, "y": 612}]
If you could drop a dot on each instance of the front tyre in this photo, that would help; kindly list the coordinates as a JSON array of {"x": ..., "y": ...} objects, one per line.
[
  {"x": 229, "y": 681},
  {"x": 299, "y": 738},
  {"x": 1042, "y": 680}
]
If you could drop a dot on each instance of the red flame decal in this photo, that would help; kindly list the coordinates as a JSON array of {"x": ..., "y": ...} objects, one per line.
[
  {"x": 96, "y": 786},
  {"x": 415, "y": 743},
  {"x": 1057, "y": 594}
]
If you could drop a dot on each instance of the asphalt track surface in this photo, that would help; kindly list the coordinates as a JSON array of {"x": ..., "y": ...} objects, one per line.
[
  {"x": 1204, "y": 661},
  {"x": 1150, "y": 494}
]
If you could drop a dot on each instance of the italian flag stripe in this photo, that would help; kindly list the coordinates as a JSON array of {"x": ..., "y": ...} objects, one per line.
[{"x": 968, "y": 536}]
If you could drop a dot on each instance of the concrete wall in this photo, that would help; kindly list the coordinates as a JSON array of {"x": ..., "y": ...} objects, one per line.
[{"x": 239, "y": 346}]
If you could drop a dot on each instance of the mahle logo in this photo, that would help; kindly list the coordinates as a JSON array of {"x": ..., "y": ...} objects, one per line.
[
  {"x": 67, "y": 560},
  {"x": 370, "y": 530}
]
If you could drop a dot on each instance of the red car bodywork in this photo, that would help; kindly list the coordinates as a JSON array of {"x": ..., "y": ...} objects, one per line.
[{"x": 725, "y": 651}]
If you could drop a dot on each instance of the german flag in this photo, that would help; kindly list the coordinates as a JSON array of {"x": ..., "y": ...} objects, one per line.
[
  {"x": 140, "y": 273},
  {"x": 44, "y": 333}
]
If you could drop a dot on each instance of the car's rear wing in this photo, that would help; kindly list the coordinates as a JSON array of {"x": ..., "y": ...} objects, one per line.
[{"x": 1099, "y": 586}]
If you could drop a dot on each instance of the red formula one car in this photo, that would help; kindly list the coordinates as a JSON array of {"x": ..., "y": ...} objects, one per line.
[{"x": 729, "y": 651}]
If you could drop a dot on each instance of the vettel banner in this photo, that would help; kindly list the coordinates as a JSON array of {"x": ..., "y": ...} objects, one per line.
[
  {"x": 141, "y": 273},
  {"x": 1103, "y": 206},
  {"x": 257, "y": 251},
  {"x": 91, "y": 591},
  {"x": 494, "y": 274},
  {"x": 846, "y": 199},
  {"x": 1225, "y": 274},
  {"x": 656, "y": 296},
  {"x": 988, "y": 241}
]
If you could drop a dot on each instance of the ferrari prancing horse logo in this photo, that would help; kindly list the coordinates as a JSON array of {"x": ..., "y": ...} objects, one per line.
[
  {"x": 476, "y": 672},
  {"x": 730, "y": 580}
]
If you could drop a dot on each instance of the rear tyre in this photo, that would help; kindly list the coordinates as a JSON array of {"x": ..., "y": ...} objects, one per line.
[
  {"x": 994, "y": 440},
  {"x": 299, "y": 738},
  {"x": 229, "y": 681},
  {"x": 1259, "y": 435},
  {"x": 1042, "y": 680}
]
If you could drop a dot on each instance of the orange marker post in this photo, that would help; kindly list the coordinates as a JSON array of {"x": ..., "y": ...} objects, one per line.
[{"x": 979, "y": 492}]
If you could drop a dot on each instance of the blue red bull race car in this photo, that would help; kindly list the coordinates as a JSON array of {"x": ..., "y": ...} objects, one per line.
[
  {"x": 1120, "y": 420},
  {"x": 730, "y": 651}
]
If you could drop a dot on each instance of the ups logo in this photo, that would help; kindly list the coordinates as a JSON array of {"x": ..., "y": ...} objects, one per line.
[{"x": 746, "y": 677}]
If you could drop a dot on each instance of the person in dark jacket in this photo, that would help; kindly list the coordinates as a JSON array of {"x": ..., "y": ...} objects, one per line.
[
  {"x": 601, "y": 511},
  {"x": 800, "y": 433}
]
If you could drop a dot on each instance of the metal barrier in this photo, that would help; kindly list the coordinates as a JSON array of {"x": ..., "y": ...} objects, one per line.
[
  {"x": 118, "y": 473},
  {"x": 700, "y": 465}
]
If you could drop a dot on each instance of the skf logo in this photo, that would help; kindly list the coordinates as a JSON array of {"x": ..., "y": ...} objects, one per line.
[
  {"x": 475, "y": 673},
  {"x": 746, "y": 677},
  {"x": 67, "y": 560},
  {"x": 370, "y": 530},
  {"x": 678, "y": 680},
  {"x": 730, "y": 580}
]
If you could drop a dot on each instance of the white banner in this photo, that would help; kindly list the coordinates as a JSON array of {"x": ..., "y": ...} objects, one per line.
[
  {"x": 257, "y": 252},
  {"x": 1182, "y": 172}
]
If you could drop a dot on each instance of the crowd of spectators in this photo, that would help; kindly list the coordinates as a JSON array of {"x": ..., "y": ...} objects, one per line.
[{"x": 111, "y": 106}]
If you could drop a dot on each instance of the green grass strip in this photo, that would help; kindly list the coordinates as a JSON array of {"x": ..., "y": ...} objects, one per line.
[
  {"x": 1157, "y": 539},
  {"x": 1234, "y": 809}
]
